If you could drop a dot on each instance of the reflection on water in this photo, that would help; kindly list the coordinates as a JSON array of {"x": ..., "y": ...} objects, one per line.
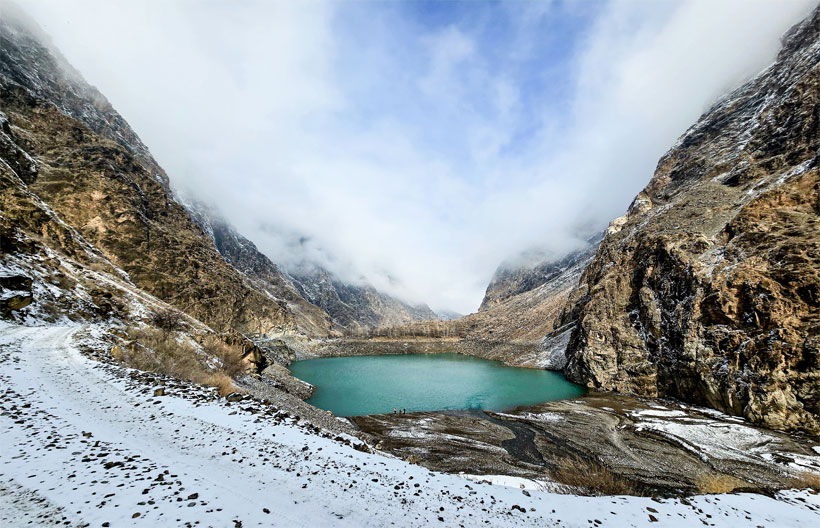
[{"x": 352, "y": 386}]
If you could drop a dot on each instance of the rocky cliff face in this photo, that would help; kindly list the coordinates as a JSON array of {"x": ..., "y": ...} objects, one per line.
[
  {"x": 48, "y": 271},
  {"x": 708, "y": 289},
  {"x": 78, "y": 183},
  {"x": 355, "y": 307}
]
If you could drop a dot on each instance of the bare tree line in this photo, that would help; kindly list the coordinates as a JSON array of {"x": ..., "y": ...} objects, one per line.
[{"x": 434, "y": 329}]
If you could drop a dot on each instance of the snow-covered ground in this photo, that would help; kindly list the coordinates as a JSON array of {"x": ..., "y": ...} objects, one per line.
[{"x": 83, "y": 442}]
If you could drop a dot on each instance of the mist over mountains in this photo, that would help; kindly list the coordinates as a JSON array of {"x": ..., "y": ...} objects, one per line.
[
  {"x": 418, "y": 165},
  {"x": 256, "y": 311}
]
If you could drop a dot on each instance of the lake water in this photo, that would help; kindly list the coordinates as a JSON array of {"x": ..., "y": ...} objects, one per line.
[{"x": 353, "y": 386}]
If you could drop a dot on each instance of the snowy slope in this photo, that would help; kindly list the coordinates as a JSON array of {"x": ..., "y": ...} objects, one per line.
[{"x": 84, "y": 442}]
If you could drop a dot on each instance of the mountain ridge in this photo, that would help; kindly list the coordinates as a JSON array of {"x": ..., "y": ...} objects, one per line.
[
  {"x": 707, "y": 288},
  {"x": 76, "y": 153}
]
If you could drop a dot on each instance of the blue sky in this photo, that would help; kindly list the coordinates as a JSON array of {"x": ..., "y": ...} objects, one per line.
[
  {"x": 415, "y": 145},
  {"x": 497, "y": 62}
]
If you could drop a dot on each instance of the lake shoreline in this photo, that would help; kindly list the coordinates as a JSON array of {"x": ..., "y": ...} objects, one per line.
[
  {"x": 605, "y": 427},
  {"x": 660, "y": 447},
  {"x": 515, "y": 354}
]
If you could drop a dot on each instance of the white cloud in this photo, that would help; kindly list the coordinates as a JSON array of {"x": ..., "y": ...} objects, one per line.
[
  {"x": 417, "y": 158},
  {"x": 448, "y": 49}
]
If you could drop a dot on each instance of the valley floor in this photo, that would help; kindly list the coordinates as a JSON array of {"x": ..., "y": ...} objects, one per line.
[{"x": 86, "y": 443}]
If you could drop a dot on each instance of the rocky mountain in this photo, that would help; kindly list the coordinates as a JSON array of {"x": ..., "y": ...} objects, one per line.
[
  {"x": 708, "y": 288},
  {"x": 82, "y": 197},
  {"x": 513, "y": 278},
  {"x": 77, "y": 157},
  {"x": 354, "y": 306},
  {"x": 448, "y": 315},
  {"x": 523, "y": 303},
  {"x": 260, "y": 271},
  {"x": 318, "y": 298}
]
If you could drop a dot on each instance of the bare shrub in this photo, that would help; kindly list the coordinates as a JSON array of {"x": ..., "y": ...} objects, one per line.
[
  {"x": 594, "y": 477},
  {"x": 719, "y": 483},
  {"x": 167, "y": 319},
  {"x": 158, "y": 350},
  {"x": 223, "y": 383},
  {"x": 230, "y": 358}
]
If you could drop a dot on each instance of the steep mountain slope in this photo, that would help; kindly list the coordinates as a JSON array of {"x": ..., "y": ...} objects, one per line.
[
  {"x": 77, "y": 155},
  {"x": 46, "y": 276},
  {"x": 523, "y": 304},
  {"x": 353, "y": 306},
  {"x": 76, "y": 176},
  {"x": 708, "y": 289},
  {"x": 28, "y": 59},
  {"x": 318, "y": 299},
  {"x": 511, "y": 278},
  {"x": 258, "y": 269}
]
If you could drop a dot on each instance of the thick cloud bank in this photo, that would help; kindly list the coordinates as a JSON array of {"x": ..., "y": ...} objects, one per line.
[{"x": 414, "y": 145}]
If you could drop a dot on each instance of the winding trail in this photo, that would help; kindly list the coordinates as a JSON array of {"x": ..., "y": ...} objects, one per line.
[{"x": 85, "y": 443}]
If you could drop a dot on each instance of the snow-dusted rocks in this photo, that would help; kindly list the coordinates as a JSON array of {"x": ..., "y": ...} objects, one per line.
[{"x": 708, "y": 289}]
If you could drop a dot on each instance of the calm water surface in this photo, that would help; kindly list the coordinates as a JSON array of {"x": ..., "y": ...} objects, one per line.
[{"x": 353, "y": 386}]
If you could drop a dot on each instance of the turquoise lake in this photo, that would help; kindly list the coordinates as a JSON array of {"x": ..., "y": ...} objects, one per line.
[{"x": 354, "y": 386}]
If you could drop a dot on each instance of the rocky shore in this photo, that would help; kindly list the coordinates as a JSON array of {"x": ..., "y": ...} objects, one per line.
[
  {"x": 655, "y": 447},
  {"x": 660, "y": 447}
]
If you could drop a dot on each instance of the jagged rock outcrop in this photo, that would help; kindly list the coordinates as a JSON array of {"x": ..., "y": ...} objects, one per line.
[
  {"x": 708, "y": 289},
  {"x": 353, "y": 306},
  {"x": 77, "y": 179}
]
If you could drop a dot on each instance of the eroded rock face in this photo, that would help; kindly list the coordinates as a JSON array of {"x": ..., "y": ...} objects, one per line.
[{"x": 708, "y": 289}]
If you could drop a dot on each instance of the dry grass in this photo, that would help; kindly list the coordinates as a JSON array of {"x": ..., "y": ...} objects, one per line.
[
  {"x": 99, "y": 266},
  {"x": 230, "y": 358},
  {"x": 710, "y": 483},
  {"x": 224, "y": 384},
  {"x": 167, "y": 352},
  {"x": 594, "y": 477},
  {"x": 807, "y": 479}
]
